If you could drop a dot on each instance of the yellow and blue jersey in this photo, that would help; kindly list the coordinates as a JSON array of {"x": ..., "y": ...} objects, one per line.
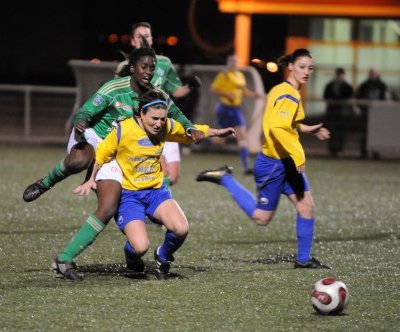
[
  {"x": 137, "y": 154},
  {"x": 283, "y": 112},
  {"x": 232, "y": 82}
]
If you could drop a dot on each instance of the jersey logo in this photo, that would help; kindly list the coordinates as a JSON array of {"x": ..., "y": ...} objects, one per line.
[
  {"x": 284, "y": 114},
  {"x": 145, "y": 142},
  {"x": 125, "y": 107},
  {"x": 97, "y": 100}
]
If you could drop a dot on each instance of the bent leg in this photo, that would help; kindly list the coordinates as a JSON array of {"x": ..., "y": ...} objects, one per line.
[
  {"x": 136, "y": 233},
  {"x": 80, "y": 158},
  {"x": 174, "y": 220},
  {"x": 108, "y": 196},
  {"x": 243, "y": 197}
]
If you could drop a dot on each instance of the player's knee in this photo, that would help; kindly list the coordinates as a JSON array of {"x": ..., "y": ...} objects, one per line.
[
  {"x": 262, "y": 218},
  {"x": 306, "y": 210},
  {"x": 182, "y": 230},
  {"x": 78, "y": 164},
  {"x": 262, "y": 221},
  {"x": 141, "y": 247},
  {"x": 106, "y": 212}
]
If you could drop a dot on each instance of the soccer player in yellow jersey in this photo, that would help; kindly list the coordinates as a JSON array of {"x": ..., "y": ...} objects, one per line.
[
  {"x": 137, "y": 145},
  {"x": 230, "y": 87},
  {"x": 279, "y": 167}
]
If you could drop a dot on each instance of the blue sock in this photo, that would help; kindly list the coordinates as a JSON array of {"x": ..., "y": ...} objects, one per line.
[
  {"x": 244, "y": 198},
  {"x": 305, "y": 234},
  {"x": 129, "y": 248},
  {"x": 244, "y": 155},
  {"x": 171, "y": 243}
]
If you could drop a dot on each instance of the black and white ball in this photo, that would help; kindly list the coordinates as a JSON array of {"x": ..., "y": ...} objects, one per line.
[{"x": 329, "y": 296}]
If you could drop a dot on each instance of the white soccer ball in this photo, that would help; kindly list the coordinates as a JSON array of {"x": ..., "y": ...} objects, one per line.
[{"x": 329, "y": 296}]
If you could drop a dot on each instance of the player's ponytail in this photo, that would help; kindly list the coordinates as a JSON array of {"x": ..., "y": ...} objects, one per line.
[{"x": 284, "y": 60}]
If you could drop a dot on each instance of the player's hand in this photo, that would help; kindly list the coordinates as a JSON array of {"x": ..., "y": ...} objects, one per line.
[
  {"x": 85, "y": 188},
  {"x": 194, "y": 82},
  {"x": 225, "y": 132},
  {"x": 323, "y": 134},
  {"x": 197, "y": 135},
  {"x": 301, "y": 169},
  {"x": 318, "y": 130},
  {"x": 80, "y": 126}
]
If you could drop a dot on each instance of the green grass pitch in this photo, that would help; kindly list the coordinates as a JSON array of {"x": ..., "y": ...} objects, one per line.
[{"x": 230, "y": 274}]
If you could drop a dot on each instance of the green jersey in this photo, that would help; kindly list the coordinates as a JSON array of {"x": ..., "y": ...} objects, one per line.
[
  {"x": 165, "y": 76},
  {"x": 115, "y": 101}
]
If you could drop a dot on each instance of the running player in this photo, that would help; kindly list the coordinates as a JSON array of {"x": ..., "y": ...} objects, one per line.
[
  {"x": 230, "y": 87},
  {"x": 279, "y": 167}
]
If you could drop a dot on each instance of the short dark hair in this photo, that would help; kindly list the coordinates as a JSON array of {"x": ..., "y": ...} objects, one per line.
[
  {"x": 139, "y": 24},
  {"x": 134, "y": 57},
  {"x": 340, "y": 71}
]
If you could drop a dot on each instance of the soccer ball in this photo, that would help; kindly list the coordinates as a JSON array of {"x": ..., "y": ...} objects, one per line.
[{"x": 329, "y": 296}]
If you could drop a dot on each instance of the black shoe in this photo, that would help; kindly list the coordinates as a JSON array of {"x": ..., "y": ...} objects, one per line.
[
  {"x": 248, "y": 171},
  {"x": 313, "y": 263},
  {"x": 34, "y": 191},
  {"x": 215, "y": 175},
  {"x": 66, "y": 270},
  {"x": 133, "y": 263},
  {"x": 162, "y": 267}
]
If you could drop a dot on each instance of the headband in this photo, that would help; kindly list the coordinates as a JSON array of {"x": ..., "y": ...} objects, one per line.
[{"x": 155, "y": 102}]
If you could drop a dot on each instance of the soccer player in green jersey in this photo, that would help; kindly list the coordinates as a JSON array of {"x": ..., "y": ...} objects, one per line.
[
  {"x": 165, "y": 78},
  {"x": 114, "y": 101}
]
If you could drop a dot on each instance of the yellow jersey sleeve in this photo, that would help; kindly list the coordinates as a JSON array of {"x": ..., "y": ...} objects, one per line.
[
  {"x": 176, "y": 132},
  {"x": 107, "y": 149}
]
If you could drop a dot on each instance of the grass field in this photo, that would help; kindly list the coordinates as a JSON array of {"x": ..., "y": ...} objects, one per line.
[{"x": 230, "y": 275}]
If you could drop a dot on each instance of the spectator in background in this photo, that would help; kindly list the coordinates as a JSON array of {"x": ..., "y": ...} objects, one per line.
[
  {"x": 373, "y": 88},
  {"x": 336, "y": 93},
  {"x": 230, "y": 87}
]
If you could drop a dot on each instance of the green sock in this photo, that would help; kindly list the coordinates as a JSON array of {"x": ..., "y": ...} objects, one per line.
[
  {"x": 82, "y": 239},
  {"x": 56, "y": 175}
]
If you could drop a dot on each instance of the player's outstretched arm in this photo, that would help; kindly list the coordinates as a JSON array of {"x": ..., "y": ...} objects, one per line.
[
  {"x": 221, "y": 132},
  {"x": 318, "y": 130}
]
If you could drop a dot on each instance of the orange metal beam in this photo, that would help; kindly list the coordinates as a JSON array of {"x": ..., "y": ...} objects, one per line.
[
  {"x": 242, "y": 38},
  {"x": 383, "y": 8}
]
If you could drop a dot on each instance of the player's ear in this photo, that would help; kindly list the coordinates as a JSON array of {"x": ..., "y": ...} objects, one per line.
[{"x": 131, "y": 70}]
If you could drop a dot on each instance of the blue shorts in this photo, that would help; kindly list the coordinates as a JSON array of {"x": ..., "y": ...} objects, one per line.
[
  {"x": 275, "y": 177},
  {"x": 230, "y": 116},
  {"x": 136, "y": 204}
]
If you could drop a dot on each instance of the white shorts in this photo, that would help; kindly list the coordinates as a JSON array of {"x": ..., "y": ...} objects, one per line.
[
  {"x": 109, "y": 171},
  {"x": 171, "y": 152},
  {"x": 91, "y": 137}
]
